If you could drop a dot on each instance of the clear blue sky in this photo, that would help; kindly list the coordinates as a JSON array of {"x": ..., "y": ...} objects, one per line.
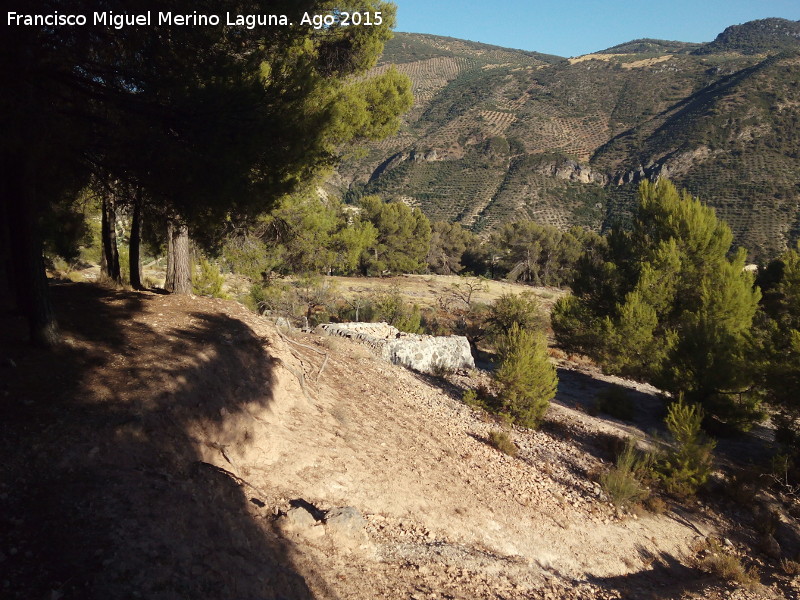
[{"x": 574, "y": 27}]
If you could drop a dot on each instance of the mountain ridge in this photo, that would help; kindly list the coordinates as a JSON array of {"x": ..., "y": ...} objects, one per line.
[{"x": 499, "y": 134}]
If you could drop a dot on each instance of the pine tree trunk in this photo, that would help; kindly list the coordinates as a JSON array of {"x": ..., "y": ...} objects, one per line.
[
  {"x": 109, "y": 234},
  {"x": 29, "y": 278},
  {"x": 179, "y": 274},
  {"x": 134, "y": 261},
  {"x": 169, "y": 283},
  {"x": 183, "y": 272}
]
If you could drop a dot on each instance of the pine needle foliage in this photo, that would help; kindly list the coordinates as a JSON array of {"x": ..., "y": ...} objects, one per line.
[
  {"x": 669, "y": 303},
  {"x": 526, "y": 379},
  {"x": 686, "y": 467},
  {"x": 208, "y": 281}
]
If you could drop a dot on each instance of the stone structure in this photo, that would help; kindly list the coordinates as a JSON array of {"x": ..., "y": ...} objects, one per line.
[{"x": 423, "y": 353}]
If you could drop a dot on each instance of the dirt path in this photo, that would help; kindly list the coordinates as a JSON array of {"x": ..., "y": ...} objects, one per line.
[{"x": 182, "y": 447}]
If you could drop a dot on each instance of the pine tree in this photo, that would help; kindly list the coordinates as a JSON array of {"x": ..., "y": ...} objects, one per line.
[
  {"x": 525, "y": 377},
  {"x": 211, "y": 121},
  {"x": 403, "y": 237},
  {"x": 779, "y": 366},
  {"x": 664, "y": 302},
  {"x": 686, "y": 466},
  {"x": 449, "y": 242}
]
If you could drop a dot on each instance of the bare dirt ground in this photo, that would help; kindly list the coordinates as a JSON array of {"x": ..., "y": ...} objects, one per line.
[{"x": 181, "y": 447}]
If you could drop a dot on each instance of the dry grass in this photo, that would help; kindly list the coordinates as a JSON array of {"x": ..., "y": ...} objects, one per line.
[
  {"x": 656, "y": 505},
  {"x": 425, "y": 290},
  {"x": 790, "y": 567},
  {"x": 334, "y": 343},
  {"x": 721, "y": 563},
  {"x": 502, "y": 442}
]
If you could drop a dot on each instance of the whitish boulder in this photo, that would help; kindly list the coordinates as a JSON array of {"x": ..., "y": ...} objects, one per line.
[{"x": 423, "y": 353}]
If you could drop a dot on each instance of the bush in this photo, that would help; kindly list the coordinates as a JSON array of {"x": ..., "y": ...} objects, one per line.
[
  {"x": 656, "y": 505},
  {"x": 393, "y": 308},
  {"x": 622, "y": 483},
  {"x": 275, "y": 297},
  {"x": 522, "y": 309},
  {"x": 503, "y": 442},
  {"x": 616, "y": 402},
  {"x": 688, "y": 465},
  {"x": 470, "y": 398},
  {"x": 526, "y": 379},
  {"x": 411, "y": 321},
  {"x": 720, "y": 563},
  {"x": 208, "y": 280},
  {"x": 790, "y": 567},
  {"x": 441, "y": 370}
]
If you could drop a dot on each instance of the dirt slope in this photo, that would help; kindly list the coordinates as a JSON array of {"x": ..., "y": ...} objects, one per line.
[{"x": 184, "y": 448}]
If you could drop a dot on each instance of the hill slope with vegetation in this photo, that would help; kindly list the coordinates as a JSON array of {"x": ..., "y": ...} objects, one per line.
[
  {"x": 499, "y": 134},
  {"x": 194, "y": 450}
]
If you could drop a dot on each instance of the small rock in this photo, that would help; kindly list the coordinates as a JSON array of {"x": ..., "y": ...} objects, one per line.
[
  {"x": 298, "y": 520},
  {"x": 770, "y": 546},
  {"x": 346, "y": 526},
  {"x": 299, "y": 517}
]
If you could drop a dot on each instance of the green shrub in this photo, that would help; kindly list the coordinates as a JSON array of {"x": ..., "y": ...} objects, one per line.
[
  {"x": 275, "y": 297},
  {"x": 616, "y": 401},
  {"x": 393, "y": 308},
  {"x": 686, "y": 466},
  {"x": 480, "y": 398},
  {"x": 470, "y": 398},
  {"x": 623, "y": 482},
  {"x": 207, "y": 280},
  {"x": 503, "y": 442},
  {"x": 522, "y": 309},
  {"x": 526, "y": 379},
  {"x": 410, "y": 321}
]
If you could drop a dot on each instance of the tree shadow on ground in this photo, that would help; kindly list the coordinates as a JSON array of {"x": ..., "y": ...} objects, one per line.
[
  {"x": 104, "y": 491},
  {"x": 440, "y": 383},
  {"x": 581, "y": 391},
  {"x": 663, "y": 578}
]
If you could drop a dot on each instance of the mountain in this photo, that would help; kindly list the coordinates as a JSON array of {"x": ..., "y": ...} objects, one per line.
[
  {"x": 499, "y": 134},
  {"x": 764, "y": 35}
]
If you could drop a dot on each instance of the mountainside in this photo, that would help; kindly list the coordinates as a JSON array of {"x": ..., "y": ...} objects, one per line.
[{"x": 499, "y": 134}]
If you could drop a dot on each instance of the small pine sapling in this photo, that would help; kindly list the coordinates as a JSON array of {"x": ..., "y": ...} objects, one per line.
[{"x": 687, "y": 466}]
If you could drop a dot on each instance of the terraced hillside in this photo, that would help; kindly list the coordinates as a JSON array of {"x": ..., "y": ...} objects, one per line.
[{"x": 499, "y": 134}]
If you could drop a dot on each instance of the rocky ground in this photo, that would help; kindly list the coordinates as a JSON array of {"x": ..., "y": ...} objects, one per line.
[{"x": 180, "y": 447}]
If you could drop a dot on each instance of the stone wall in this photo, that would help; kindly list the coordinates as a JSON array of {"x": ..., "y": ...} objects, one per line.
[{"x": 423, "y": 353}]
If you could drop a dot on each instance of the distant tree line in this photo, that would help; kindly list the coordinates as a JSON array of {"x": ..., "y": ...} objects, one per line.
[{"x": 309, "y": 234}]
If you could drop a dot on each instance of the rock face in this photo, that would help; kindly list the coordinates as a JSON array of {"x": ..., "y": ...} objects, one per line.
[
  {"x": 569, "y": 170},
  {"x": 346, "y": 527},
  {"x": 423, "y": 353}
]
